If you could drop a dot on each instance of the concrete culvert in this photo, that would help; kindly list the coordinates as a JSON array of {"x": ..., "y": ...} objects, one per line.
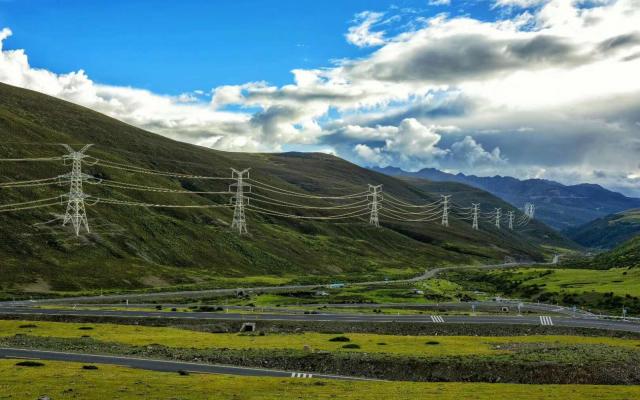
[{"x": 248, "y": 327}]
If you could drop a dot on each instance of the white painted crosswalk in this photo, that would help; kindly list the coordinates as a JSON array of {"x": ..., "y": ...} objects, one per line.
[
  {"x": 437, "y": 319},
  {"x": 544, "y": 320},
  {"x": 301, "y": 375}
]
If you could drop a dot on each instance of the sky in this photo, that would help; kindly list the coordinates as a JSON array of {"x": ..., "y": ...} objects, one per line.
[{"x": 528, "y": 88}]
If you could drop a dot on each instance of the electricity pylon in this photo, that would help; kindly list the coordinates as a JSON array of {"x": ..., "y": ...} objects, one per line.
[
  {"x": 510, "y": 213},
  {"x": 529, "y": 210},
  {"x": 445, "y": 210},
  {"x": 239, "y": 220},
  {"x": 76, "y": 213},
  {"x": 498, "y": 216},
  {"x": 476, "y": 209},
  {"x": 375, "y": 196}
]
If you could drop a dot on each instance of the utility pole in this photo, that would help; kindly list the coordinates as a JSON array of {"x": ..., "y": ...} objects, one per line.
[
  {"x": 375, "y": 196},
  {"x": 476, "y": 209},
  {"x": 239, "y": 220},
  {"x": 498, "y": 216},
  {"x": 510, "y": 213},
  {"x": 445, "y": 210},
  {"x": 76, "y": 213}
]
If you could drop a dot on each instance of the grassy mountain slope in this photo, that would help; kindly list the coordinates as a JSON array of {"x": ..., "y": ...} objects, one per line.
[
  {"x": 560, "y": 206},
  {"x": 133, "y": 247},
  {"x": 609, "y": 231},
  {"x": 626, "y": 255}
]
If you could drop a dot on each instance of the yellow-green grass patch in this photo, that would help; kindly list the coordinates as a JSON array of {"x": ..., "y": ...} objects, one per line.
[
  {"x": 66, "y": 380},
  {"x": 403, "y": 345}
]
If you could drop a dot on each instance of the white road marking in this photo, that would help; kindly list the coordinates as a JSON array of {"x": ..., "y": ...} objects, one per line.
[
  {"x": 545, "y": 320},
  {"x": 301, "y": 375},
  {"x": 437, "y": 319}
]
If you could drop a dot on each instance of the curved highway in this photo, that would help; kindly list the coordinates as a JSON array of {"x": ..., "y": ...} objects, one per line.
[{"x": 160, "y": 365}]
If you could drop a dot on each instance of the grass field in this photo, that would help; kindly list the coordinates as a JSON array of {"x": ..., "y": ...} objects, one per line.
[
  {"x": 61, "y": 380},
  {"x": 426, "y": 346},
  {"x": 619, "y": 281}
]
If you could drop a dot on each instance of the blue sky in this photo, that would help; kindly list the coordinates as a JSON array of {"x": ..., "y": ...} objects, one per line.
[
  {"x": 179, "y": 46},
  {"x": 527, "y": 88}
]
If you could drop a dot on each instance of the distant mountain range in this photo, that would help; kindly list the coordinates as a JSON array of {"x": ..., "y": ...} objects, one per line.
[
  {"x": 609, "y": 231},
  {"x": 560, "y": 206}
]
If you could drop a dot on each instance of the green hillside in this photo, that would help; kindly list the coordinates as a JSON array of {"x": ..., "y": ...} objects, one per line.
[
  {"x": 135, "y": 247},
  {"x": 627, "y": 255},
  {"x": 608, "y": 232}
]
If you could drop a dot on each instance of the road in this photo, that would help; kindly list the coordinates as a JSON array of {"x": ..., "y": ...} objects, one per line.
[
  {"x": 160, "y": 365},
  {"x": 260, "y": 289},
  {"x": 341, "y": 317}
]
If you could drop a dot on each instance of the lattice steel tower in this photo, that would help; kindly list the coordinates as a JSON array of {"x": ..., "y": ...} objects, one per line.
[
  {"x": 239, "y": 220},
  {"x": 510, "y": 214},
  {"x": 375, "y": 196},
  {"x": 476, "y": 210},
  {"x": 498, "y": 217},
  {"x": 76, "y": 213},
  {"x": 445, "y": 209}
]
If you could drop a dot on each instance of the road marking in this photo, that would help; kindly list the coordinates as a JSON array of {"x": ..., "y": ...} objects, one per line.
[
  {"x": 437, "y": 319},
  {"x": 300, "y": 375},
  {"x": 544, "y": 320}
]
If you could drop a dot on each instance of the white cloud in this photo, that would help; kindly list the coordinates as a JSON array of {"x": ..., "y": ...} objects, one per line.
[
  {"x": 439, "y": 2},
  {"x": 361, "y": 34},
  {"x": 519, "y": 3},
  {"x": 554, "y": 90}
]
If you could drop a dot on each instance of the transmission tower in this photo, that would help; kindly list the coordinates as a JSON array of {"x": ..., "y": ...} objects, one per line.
[
  {"x": 476, "y": 209},
  {"x": 375, "y": 197},
  {"x": 498, "y": 216},
  {"x": 445, "y": 210},
  {"x": 239, "y": 220},
  {"x": 510, "y": 214},
  {"x": 76, "y": 213}
]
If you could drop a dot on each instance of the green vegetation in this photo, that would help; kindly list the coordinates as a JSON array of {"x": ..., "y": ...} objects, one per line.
[
  {"x": 136, "y": 248},
  {"x": 400, "y": 345},
  {"x": 60, "y": 380},
  {"x": 608, "y": 232},
  {"x": 606, "y": 290}
]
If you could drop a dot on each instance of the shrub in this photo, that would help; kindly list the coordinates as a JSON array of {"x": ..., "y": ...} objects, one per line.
[
  {"x": 351, "y": 346},
  {"x": 91, "y": 367},
  {"x": 183, "y": 372},
  {"x": 432, "y": 342},
  {"x": 85, "y": 328},
  {"x": 340, "y": 339},
  {"x": 28, "y": 326},
  {"x": 29, "y": 364},
  {"x": 382, "y": 344}
]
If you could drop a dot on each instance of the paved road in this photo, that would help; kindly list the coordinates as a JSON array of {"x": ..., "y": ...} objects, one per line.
[
  {"x": 261, "y": 289},
  {"x": 341, "y": 317},
  {"x": 160, "y": 365}
]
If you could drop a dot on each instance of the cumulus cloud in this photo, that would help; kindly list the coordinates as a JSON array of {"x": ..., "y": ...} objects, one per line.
[
  {"x": 551, "y": 91},
  {"x": 361, "y": 34}
]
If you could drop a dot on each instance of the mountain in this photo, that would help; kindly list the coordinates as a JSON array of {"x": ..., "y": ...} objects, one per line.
[
  {"x": 626, "y": 255},
  {"x": 133, "y": 246},
  {"x": 609, "y": 231},
  {"x": 559, "y": 206}
]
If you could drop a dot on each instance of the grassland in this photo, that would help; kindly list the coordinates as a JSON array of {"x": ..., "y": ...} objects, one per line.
[
  {"x": 423, "y": 346},
  {"x": 62, "y": 380},
  {"x": 598, "y": 290},
  {"x": 619, "y": 281}
]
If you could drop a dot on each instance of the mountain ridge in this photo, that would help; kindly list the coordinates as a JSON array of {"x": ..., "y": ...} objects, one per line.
[{"x": 558, "y": 205}]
